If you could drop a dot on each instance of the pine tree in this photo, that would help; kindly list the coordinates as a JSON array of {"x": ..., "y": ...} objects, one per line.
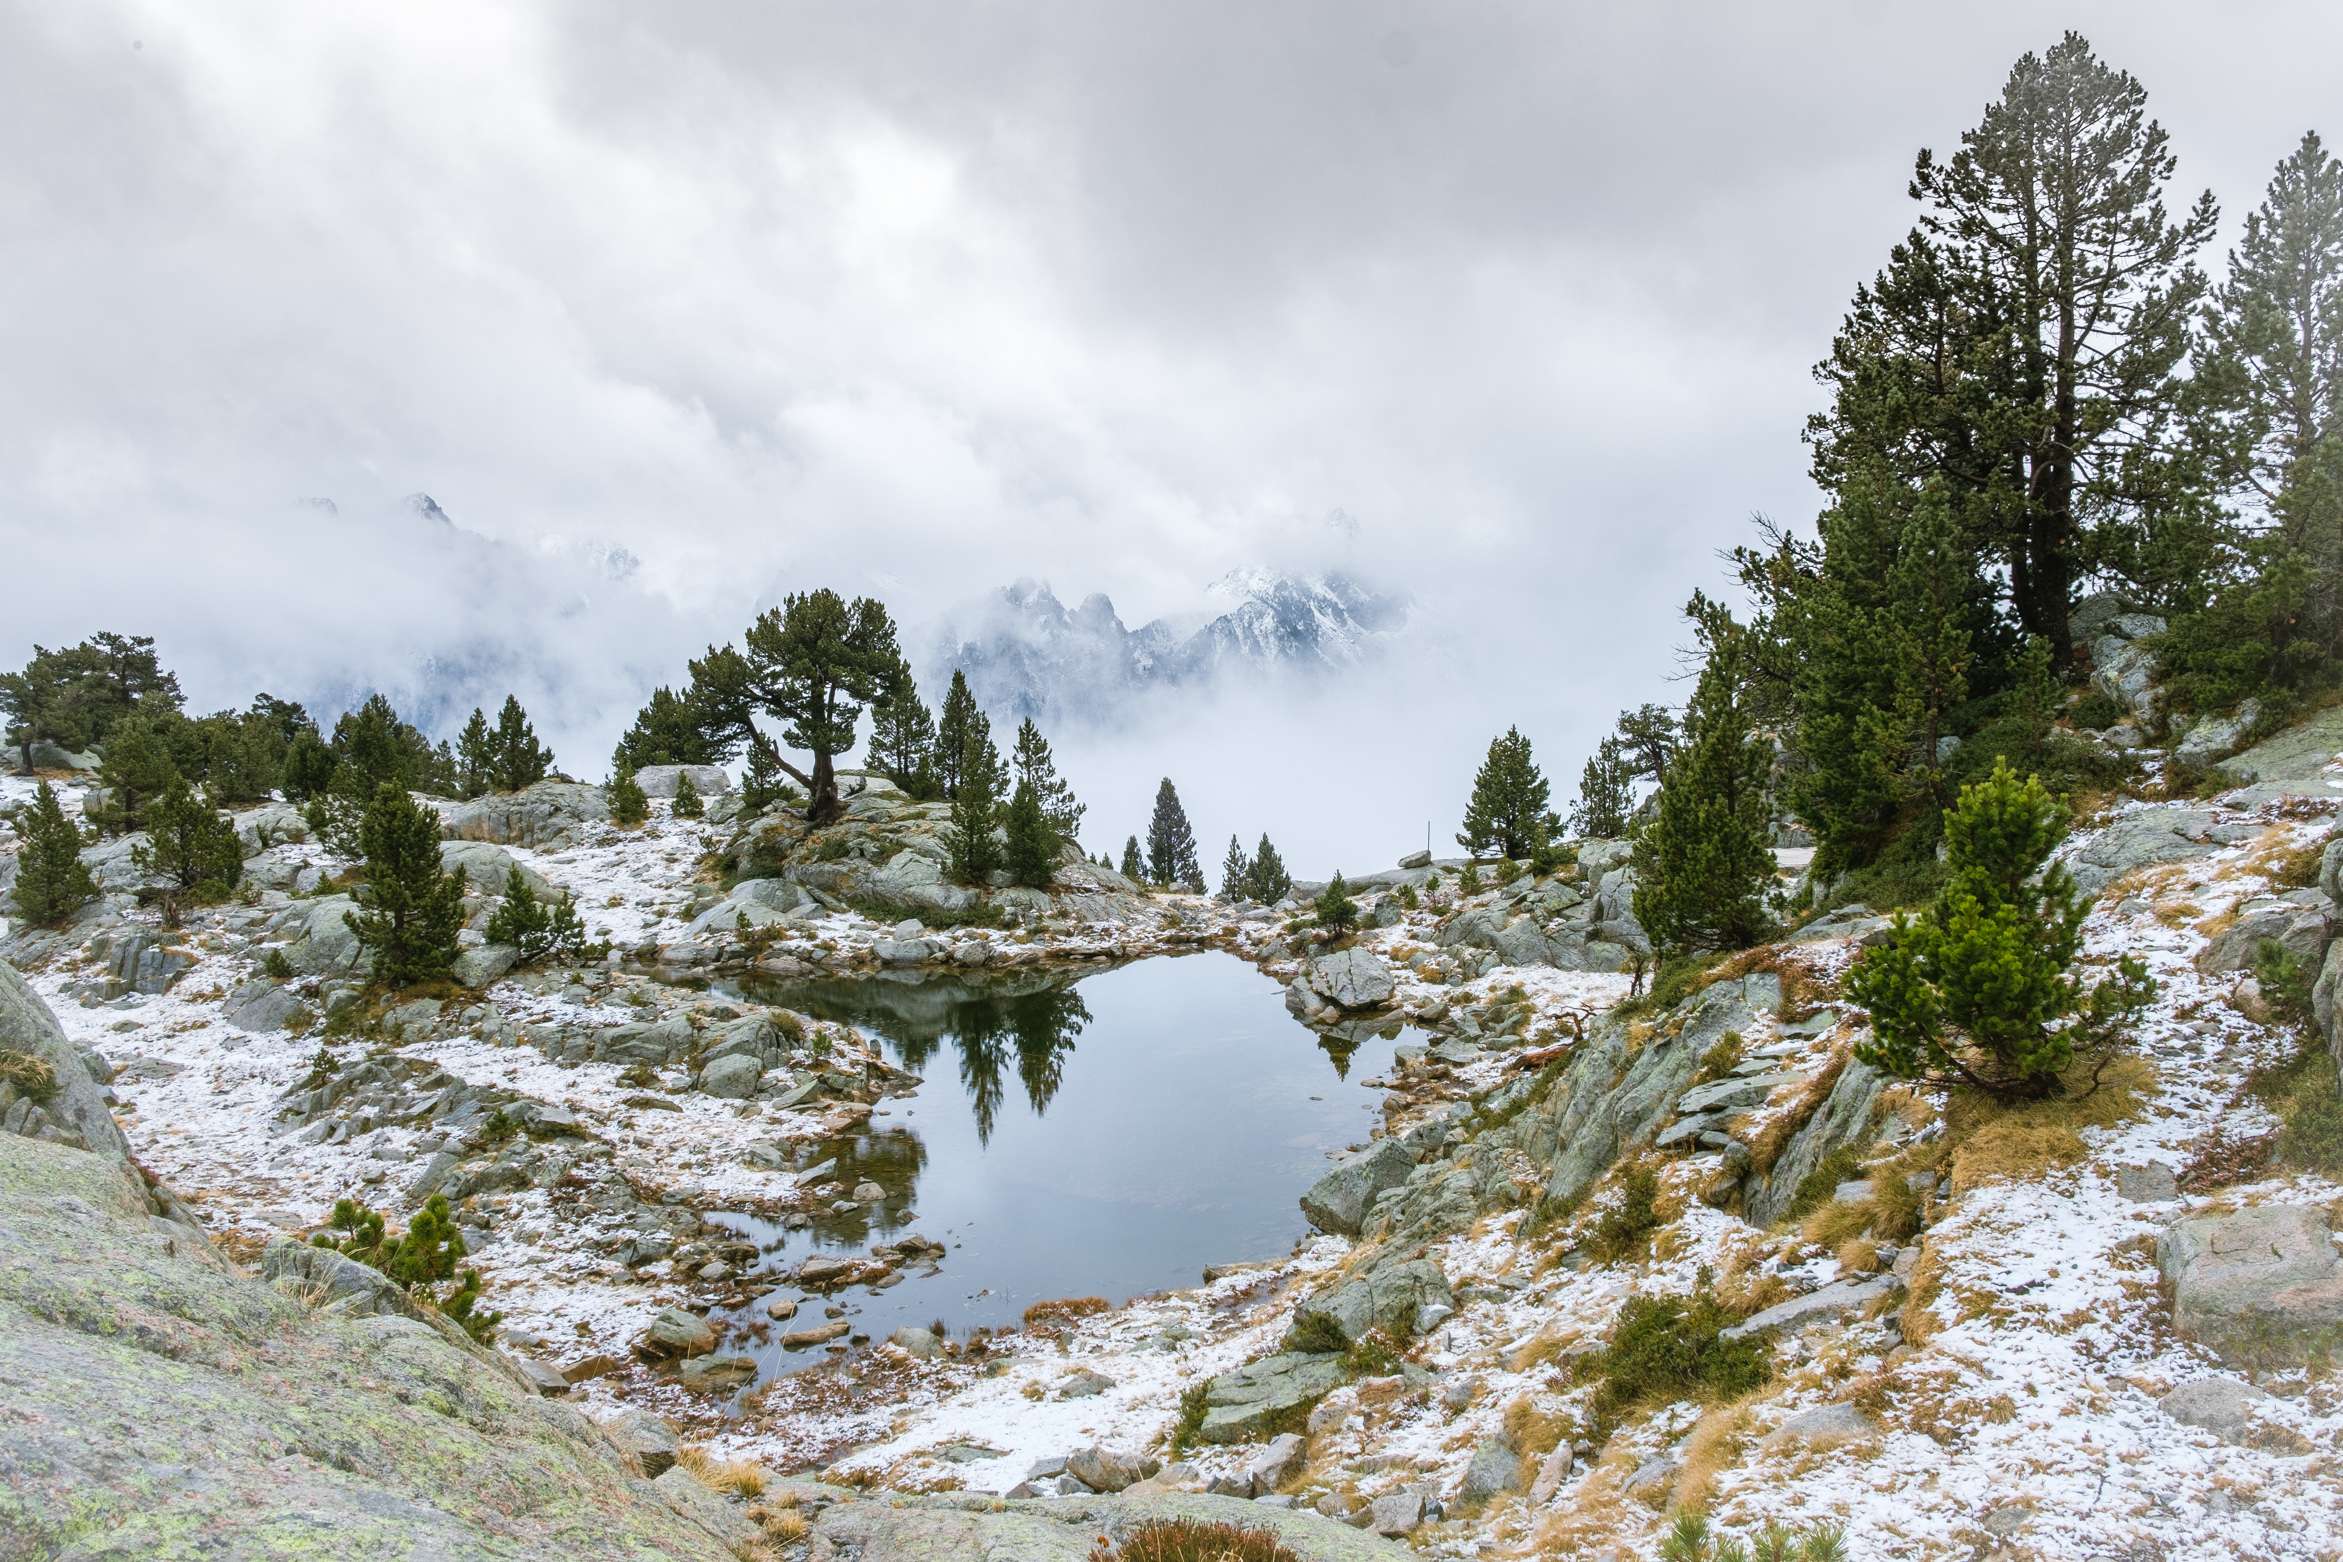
[
  {"x": 1030, "y": 853},
  {"x": 903, "y": 737},
  {"x": 309, "y": 768},
  {"x": 2022, "y": 345},
  {"x": 475, "y": 756},
  {"x": 687, "y": 798},
  {"x": 1133, "y": 868},
  {"x": 413, "y": 910},
  {"x": 540, "y": 930},
  {"x": 959, "y": 715},
  {"x": 974, "y": 854},
  {"x": 1604, "y": 796},
  {"x": 189, "y": 844},
  {"x": 2269, "y": 399},
  {"x": 1034, "y": 766},
  {"x": 1236, "y": 872},
  {"x": 1980, "y": 991},
  {"x": 1268, "y": 882},
  {"x": 521, "y": 761},
  {"x": 50, "y": 701},
  {"x": 666, "y": 732},
  {"x": 1507, "y": 813},
  {"x": 136, "y": 769},
  {"x": 813, "y": 663},
  {"x": 760, "y": 782},
  {"x": 51, "y": 882},
  {"x": 1337, "y": 912},
  {"x": 1171, "y": 844},
  {"x": 1648, "y": 739},
  {"x": 1702, "y": 866},
  {"x": 628, "y": 804}
]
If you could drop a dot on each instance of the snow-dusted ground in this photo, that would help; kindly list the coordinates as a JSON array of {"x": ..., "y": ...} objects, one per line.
[{"x": 2026, "y": 1418}]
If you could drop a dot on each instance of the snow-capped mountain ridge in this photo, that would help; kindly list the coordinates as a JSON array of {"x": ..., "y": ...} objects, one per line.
[{"x": 1027, "y": 654}]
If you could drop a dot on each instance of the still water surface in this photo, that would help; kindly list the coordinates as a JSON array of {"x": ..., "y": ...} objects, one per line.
[{"x": 1106, "y": 1137}]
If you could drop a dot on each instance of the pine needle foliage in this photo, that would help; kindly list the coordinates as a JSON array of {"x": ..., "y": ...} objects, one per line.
[{"x": 1981, "y": 990}]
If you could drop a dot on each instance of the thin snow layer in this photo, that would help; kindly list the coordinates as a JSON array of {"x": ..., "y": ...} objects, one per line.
[{"x": 631, "y": 886}]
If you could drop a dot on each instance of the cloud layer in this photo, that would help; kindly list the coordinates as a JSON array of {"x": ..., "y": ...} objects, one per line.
[{"x": 923, "y": 298}]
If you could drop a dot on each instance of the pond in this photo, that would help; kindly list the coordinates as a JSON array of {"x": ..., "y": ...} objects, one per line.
[{"x": 1108, "y": 1137}]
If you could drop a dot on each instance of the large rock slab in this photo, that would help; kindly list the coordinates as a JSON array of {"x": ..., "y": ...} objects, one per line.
[
  {"x": 1266, "y": 1396},
  {"x": 1351, "y": 979},
  {"x": 162, "y": 1404},
  {"x": 663, "y": 780},
  {"x": 486, "y": 868},
  {"x": 2263, "y": 1284},
  {"x": 2300, "y": 761},
  {"x": 964, "y": 1528},
  {"x": 548, "y": 816},
  {"x": 2143, "y": 837},
  {"x": 75, "y": 1111},
  {"x": 1338, "y": 1201},
  {"x": 1388, "y": 1299}
]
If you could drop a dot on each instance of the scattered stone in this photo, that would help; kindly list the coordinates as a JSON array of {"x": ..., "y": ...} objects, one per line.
[
  {"x": 676, "y": 1333},
  {"x": 2261, "y": 1283},
  {"x": 820, "y": 1334},
  {"x": 1338, "y": 1201},
  {"x": 1831, "y": 1301},
  {"x": 647, "y": 1438},
  {"x": 1278, "y": 1462},
  {"x": 1396, "y": 1513},
  {"x": 2220, "y": 1405},
  {"x": 1495, "y": 1469},
  {"x": 2150, "y": 1183},
  {"x": 1823, "y": 1425},
  {"x": 1109, "y": 1470}
]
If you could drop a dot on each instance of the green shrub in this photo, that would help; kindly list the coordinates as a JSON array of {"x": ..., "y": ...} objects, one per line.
[
  {"x": 628, "y": 804},
  {"x": 1190, "y": 1420},
  {"x": 1336, "y": 911},
  {"x": 2285, "y": 981},
  {"x": 687, "y": 799},
  {"x": 1316, "y": 1334},
  {"x": 276, "y": 967},
  {"x": 1407, "y": 897},
  {"x": 1690, "y": 1539},
  {"x": 1980, "y": 991},
  {"x": 2097, "y": 710},
  {"x": 423, "y": 1258},
  {"x": 1667, "y": 1348},
  {"x": 540, "y": 930},
  {"x": 1371, "y": 1355},
  {"x": 1469, "y": 881},
  {"x": 1624, "y": 1228}
]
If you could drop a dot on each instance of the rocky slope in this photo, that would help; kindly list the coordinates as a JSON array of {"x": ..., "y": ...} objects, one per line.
[{"x": 2058, "y": 1332}]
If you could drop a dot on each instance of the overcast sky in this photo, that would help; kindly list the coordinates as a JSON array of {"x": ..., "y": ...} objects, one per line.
[{"x": 923, "y": 298}]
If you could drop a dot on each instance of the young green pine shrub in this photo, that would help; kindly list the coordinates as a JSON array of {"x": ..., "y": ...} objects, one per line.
[
  {"x": 687, "y": 799},
  {"x": 51, "y": 882},
  {"x": 423, "y": 1258},
  {"x": 1407, "y": 897},
  {"x": 628, "y": 804},
  {"x": 1980, "y": 990},
  {"x": 1666, "y": 1348},
  {"x": 1690, "y": 1539},
  {"x": 276, "y": 966},
  {"x": 1337, "y": 912},
  {"x": 413, "y": 909},
  {"x": 1468, "y": 883},
  {"x": 540, "y": 930}
]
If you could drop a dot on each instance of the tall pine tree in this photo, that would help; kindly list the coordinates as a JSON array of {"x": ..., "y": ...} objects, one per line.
[
  {"x": 959, "y": 716},
  {"x": 1605, "y": 795},
  {"x": 51, "y": 881},
  {"x": 1030, "y": 850},
  {"x": 903, "y": 737},
  {"x": 1034, "y": 767},
  {"x": 412, "y": 910},
  {"x": 521, "y": 761},
  {"x": 1268, "y": 882},
  {"x": 976, "y": 805},
  {"x": 1171, "y": 843},
  {"x": 1236, "y": 872},
  {"x": 1702, "y": 866},
  {"x": 475, "y": 756},
  {"x": 1507, "y": 813},
  {"x": 190, "y": 844},
  {"x": 136, "y": 769},
  {"x": 1133, "y": 867}
]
